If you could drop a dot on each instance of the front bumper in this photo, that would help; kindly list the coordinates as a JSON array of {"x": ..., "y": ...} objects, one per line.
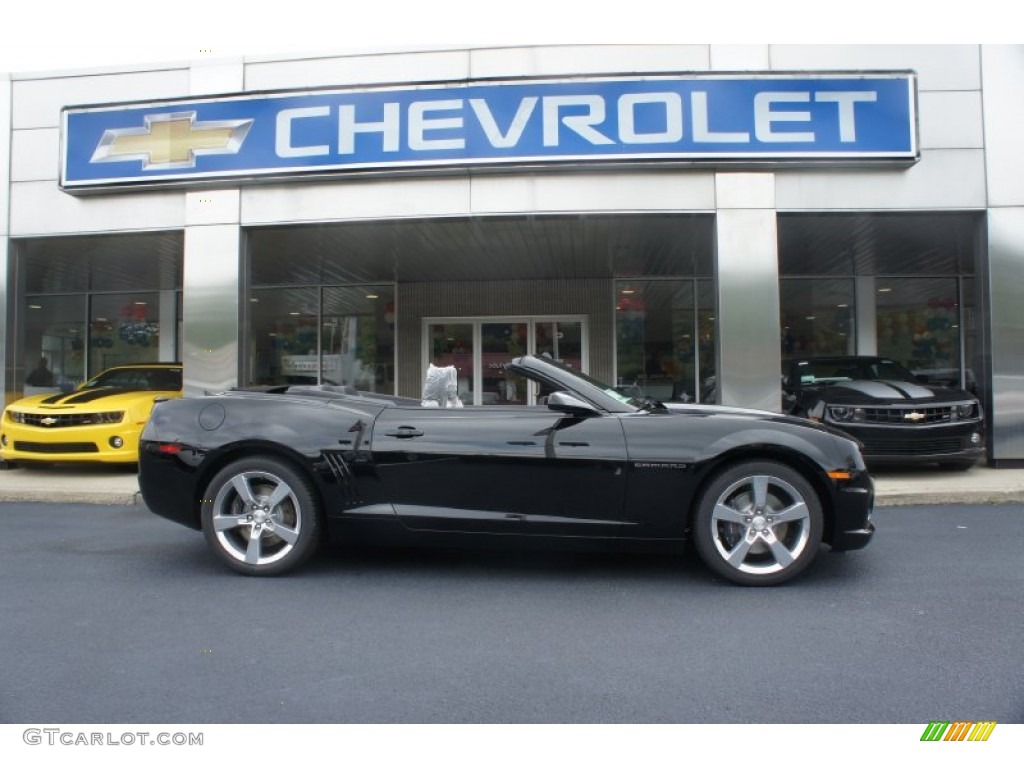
[
  {"x": 23, "y": 442},
  {"x": 853, "y": 503},
  {"x": 960, "y": 443}
]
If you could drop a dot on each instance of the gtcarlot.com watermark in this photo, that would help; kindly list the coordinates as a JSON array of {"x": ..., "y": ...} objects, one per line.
[{"x": 59, "y": 736}]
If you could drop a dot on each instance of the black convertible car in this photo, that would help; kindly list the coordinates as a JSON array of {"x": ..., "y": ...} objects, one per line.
[
  {"x": 265, "y": 475},
  {"x": 899, "y": 418}
]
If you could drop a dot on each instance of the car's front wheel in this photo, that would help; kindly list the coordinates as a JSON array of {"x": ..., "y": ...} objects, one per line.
[
  {"x": 261, "y": 516},
  {"x": 758, "y": 523}
]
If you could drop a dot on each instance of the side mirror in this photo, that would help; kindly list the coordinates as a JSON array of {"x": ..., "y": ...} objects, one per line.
[{"x": 569, "y": 403}]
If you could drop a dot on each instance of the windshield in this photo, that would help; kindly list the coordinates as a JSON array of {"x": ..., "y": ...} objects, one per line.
[
  {"x": 137, "y": 379},
  {"x": 831, "y": 371},
  {"x": 597, "y": 384}
]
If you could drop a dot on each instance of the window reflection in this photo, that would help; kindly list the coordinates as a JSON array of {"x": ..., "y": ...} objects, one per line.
[
  {"x": 817, "y": 317},
  {"x": 665, "y": 339},
  {"x": 124, "y": 328},
  {"x": 500, "y": 343},
  {"x": 54, "y": 330},
  {"x": 340, "y": 335},
  {"x": 918, "y": 326}
]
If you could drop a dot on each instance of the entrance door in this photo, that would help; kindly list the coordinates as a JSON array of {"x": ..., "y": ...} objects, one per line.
[{"x": 481, "y": 349}]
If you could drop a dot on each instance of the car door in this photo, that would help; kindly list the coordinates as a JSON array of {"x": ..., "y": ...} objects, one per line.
[{"x": 525, "y": 470}]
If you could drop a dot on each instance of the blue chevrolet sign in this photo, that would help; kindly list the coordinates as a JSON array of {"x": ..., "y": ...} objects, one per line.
[{"x": 750, "y": 118}]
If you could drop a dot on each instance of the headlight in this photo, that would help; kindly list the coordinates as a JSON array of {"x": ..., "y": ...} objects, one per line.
[
  {"x": 109, "y": 417},
  {"x": 965, "y": 411},
  {"x": 845, "y": 414}
]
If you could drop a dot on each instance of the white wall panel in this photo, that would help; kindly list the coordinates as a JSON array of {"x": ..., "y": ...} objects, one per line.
[
  {"x": 951, "y": 120},
  {"x": 35, "y": 154},
  {"x": 210, "y": 308},
  {"x": 357, "y": 70},
  {"x": 683, "y": 190},
  {"x": 1006, "y": 323},
  {"x": 37, "y": 103},
  {"x": 740, "y": 58},
  {"x": 587, "y": 59},
  {"x": 212, "y": 206},
  {"x": 356, "y": 199},
  {"x": 225, "y": 76},
  {"x": 749, "y": 357},
  {"x": 745, "y": 190},
  {"x": 5, "y": 169},
  {"x": 1004, "y": 116},
  {"x": 40, "y": 208},
  {"x": 939, "y": 67},
  {"x": 5, "y": 172},
  {"x": 944, "y": 178},
  {"x": 5, "y": 291}
]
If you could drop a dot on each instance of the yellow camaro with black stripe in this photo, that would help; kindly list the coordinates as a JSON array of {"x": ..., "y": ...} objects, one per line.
[{"x": 100, "y": 421}]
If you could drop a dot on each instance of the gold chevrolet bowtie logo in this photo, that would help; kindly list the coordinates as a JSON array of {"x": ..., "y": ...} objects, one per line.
[
  {"x": 171, "y": 141},
  {"x": 914, "y": 416}
]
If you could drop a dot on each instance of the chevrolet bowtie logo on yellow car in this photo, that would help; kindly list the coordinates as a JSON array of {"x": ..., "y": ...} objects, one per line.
[{"x": 171, "y": 140}]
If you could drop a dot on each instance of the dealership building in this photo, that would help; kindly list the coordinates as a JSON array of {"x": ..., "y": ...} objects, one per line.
[{"x": 677, "y": 220}]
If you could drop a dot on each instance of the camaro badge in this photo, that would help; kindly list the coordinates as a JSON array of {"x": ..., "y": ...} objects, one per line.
[
  {"x": 914, "y": 416},
  {"x": 172, "y": 140}
]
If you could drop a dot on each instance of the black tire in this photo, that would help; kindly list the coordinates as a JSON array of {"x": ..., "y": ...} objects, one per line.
[
  {"x": 268, "y": 497},
  {"x": 758, "y": 523}
]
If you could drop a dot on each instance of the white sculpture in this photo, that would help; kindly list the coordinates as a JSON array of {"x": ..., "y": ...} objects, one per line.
[{"x": 441, "y": 388}]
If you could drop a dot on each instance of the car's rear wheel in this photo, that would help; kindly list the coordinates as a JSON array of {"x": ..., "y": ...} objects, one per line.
[
  {"x": 260, "y": 516},
  {"x": 758, "y": 523}
]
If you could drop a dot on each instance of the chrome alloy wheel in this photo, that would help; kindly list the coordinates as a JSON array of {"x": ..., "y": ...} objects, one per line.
[
  {"x": 256, "y": 518},
  {"x": 760, "y": 525}
]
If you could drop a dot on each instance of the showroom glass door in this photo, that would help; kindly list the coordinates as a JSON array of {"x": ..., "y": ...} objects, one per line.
[{"x": 481, "y": 349}]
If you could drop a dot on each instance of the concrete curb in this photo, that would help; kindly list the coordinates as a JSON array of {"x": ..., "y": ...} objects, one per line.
[
  {"x": 936, "y": 499},
  {"x": 58, "y": 496}
]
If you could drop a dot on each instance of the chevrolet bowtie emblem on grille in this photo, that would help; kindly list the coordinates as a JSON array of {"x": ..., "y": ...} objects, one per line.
[
  {"x": 914, "y": 416},
  {"x": 171, "y": 140},
  {"x": 48, "y": 421}
]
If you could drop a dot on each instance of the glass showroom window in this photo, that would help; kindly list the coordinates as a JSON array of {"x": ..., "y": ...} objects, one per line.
[
  {"x": 817, "y": 317},
  {"x": 665, "y": 339},
  {"x": 54, "y": 330},
  {"x": 357, "y": 337},
  {"x": 919, "y": 325},
  {"x": 121, "y": 329},
  {"x": 90, "y": 302},
  {"x": 340, "y": 335},
  {"x": 125, "y": 328}
]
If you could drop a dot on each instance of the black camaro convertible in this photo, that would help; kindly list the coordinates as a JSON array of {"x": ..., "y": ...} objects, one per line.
[{"x": 266, "y": 474}]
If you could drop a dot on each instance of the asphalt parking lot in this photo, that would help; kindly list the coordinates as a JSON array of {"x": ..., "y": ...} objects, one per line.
[{"x": 113, "y": 615}]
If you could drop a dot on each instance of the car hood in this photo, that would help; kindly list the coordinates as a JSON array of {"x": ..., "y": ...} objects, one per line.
[
  {"x": 88, "y": 400},
  {"x": 747, "y": 413},
  {"x": 887, "y": 392}
]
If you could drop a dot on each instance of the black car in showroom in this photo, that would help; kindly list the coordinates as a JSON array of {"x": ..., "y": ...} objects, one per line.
[
  {"x": 900, "y": 418},
  {"x": 266, "y": 474}
]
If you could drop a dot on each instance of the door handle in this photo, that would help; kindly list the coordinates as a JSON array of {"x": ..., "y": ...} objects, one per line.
[{"x": 403, "y": 433}]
